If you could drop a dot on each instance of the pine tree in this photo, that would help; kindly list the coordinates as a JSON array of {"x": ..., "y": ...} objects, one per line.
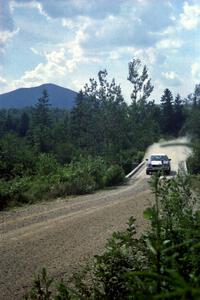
[
  {"x": 41, "y": 124},
  {"x": 41, "y": 112},
  {"x": 167, "y": 113},
  {"x": 24, "y": 124},
  {"x": 99, "y": 118},
  {"x": 193, "y": 111},
  {"x": 196, "y": 96},
  {"x": 10, "y": 123},
  {"x": 79, "y": 121},
  {"x": 178, "y": 114}
]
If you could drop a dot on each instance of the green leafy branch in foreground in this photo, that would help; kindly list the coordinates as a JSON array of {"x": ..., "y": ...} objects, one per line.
[{"x": 163, "y": 263}]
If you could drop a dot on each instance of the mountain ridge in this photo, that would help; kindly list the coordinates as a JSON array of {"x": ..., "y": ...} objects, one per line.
[{"x": 24, "y": 97}]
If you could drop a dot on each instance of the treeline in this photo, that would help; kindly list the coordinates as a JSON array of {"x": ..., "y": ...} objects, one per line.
[{"x": 47, "y": 152}]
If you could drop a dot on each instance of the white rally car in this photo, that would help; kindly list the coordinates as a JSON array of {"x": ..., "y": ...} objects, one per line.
[{"x": 158, "y": 162}]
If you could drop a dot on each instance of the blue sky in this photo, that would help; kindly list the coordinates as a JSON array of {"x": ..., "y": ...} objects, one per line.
[{"x": 66, "y": 42}]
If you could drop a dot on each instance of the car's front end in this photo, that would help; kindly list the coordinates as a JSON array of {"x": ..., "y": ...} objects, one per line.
[{"x": 158, "y": 163}]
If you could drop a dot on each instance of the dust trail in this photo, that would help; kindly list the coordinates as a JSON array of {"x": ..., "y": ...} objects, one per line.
[{"x": 176, "y": 149}]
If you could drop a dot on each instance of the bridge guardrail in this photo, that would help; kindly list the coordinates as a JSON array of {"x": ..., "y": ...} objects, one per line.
[{"x": 135, "y": 170}]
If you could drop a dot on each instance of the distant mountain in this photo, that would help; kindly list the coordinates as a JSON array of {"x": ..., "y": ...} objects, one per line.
[{"x": 58, "y": 97}]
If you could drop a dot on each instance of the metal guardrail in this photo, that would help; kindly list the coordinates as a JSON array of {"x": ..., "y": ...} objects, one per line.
[
  {"x": 182, "y": 168},
  {"x": 135, "y": 170}
]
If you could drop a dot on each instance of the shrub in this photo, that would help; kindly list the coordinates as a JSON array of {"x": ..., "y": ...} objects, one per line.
[
  {"x": 18, "y": 188},
  {"x": 114, "y": 175},
  {"x": 40, "y": 186},
  {"x": 46, "y": 164},
  {"x": 26, "y": 190},
  {"x": 195, "y": 183},
  {"x": 13, "y": 192},
  {"x": 78, "y": 183},
  {"x": 79, "y": 177},
  {"x": 16, "y": 157},
  {"x": 139, "y": 156},
  {"x": 97, "y": 170},
  {"x": 4, "y": 194},
  {"x": 82, "y": 176},
  {"x": 125, "y": 159},
  {"x": 193, "y": 162}
]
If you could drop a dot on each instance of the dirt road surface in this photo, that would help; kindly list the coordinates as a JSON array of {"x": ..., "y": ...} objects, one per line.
[{"x": 64, "y": 234}]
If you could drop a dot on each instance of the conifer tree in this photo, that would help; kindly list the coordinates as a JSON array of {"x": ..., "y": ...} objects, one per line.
[
  {"x": 167, "y": 113},
  {"x": 178, "y": 114},
  {"x": 24, "y": 124},
  {"x": 79, "y": 121},
  {"x": 41, "y": 112},
  {"x": 41, "y": 124}
]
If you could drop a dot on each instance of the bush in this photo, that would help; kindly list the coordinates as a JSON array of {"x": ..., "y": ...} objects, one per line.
[
  {"x": 16, "y": 157},
  {"x": 46, "y": 164},
  {"x": 26, "y": 190},
  {"x": 193, "y": 162},
  {"x": 79, "y": 177},
  {"x": 18, "y": 188},
  {"x": 77, "y": 183},
  {"x": 39, "y": 189},
  {"x": 13, "y": 192},
  {"x": 140, "y": 156},
  {"x": 114, "y": 175},
  {"x": 129, "y": 159},
  {"x": 97, "y": 170},
  {"x": 4, "y": 194},
  {"x": 125, "y": 159},
  {"x": 195, "y": 183}
]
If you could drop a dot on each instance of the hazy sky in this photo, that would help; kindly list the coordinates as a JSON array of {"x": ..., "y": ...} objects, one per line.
[{"x": 66, "y": 42}]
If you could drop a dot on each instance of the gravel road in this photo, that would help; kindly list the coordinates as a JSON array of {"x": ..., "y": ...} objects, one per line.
[{"x": 64, "y": 234}]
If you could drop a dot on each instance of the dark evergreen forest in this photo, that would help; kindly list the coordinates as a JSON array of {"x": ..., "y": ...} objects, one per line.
[{"x": 47, "y": 152}]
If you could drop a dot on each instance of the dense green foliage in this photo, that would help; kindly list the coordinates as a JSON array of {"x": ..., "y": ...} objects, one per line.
[
  {"x": 52, "y": 180},
  {"x": 163, "y": 263},
  {"x": 39, "y": 144}
]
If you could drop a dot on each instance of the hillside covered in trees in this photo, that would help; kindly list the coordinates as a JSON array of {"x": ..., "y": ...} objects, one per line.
[
  {"x": 24, "y": 97},
  {"x": 49, "y": 152}
]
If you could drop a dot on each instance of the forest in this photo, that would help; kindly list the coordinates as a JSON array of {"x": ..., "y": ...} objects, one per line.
[{"x": 47, "y": 152}]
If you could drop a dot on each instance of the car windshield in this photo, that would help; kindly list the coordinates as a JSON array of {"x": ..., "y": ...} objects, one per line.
[{"x": 159, "y": 157}]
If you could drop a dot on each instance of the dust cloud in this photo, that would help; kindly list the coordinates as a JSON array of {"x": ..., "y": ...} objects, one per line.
[{"x": 177, "y": 149}]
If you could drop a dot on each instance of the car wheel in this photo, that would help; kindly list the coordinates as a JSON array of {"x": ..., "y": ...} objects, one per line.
[{"x": 147, "y": 172}]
